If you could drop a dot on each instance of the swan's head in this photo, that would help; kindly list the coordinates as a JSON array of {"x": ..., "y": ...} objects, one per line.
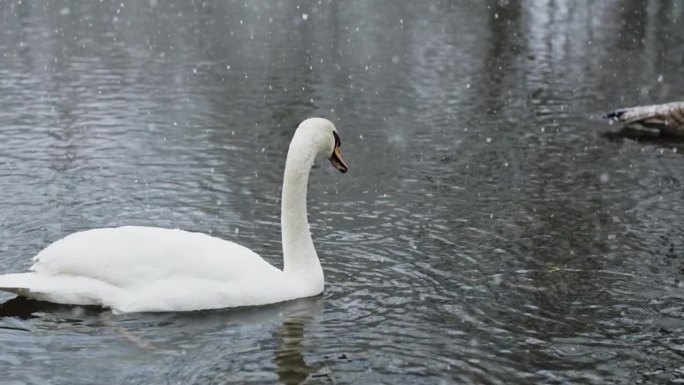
[{"x": 323, "y": 136}]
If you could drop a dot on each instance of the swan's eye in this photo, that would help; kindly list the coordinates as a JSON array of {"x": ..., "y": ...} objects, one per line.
[{"x": 338, "y": 143}]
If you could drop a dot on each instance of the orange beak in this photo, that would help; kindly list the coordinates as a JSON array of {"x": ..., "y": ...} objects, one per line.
[{"x": 337, "y": 160}]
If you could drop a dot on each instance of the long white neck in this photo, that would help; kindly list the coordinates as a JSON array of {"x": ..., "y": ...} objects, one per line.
[{"x": 299, "y": 254}]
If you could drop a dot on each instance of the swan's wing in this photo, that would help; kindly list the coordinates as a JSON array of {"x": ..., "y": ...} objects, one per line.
[
  {"x": 668, "y": 118},
  {"x": 132, "y": 255}
]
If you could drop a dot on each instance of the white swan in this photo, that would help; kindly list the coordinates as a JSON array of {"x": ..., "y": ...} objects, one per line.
[{"x": 135, "y": 269}]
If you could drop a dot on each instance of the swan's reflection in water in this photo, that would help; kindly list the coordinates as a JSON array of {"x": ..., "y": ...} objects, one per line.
[
  {"x": 289, "y": 355},
  {"x": 22, "y": 308},
  {"x": 197, "y": 347}
]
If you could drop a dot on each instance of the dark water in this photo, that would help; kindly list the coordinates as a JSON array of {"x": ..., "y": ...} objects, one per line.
[{"x": 486, "y": 233}]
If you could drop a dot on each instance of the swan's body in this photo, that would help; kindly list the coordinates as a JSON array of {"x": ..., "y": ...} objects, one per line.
[
  {"x": 661, "y": 119},
  {"x": 154, "y": 269},
  {"x": 132, "y": 269}
]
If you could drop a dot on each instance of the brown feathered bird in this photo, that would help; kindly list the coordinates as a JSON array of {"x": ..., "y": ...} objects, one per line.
[{"x": 663, "y": 119}]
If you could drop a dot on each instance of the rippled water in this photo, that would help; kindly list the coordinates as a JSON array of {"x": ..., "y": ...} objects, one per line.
[{"x": 487, "y": 233}]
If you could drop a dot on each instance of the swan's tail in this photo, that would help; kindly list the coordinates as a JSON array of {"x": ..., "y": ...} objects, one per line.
[
  {"x": 63, "y": 289},
  {"x": 17, "y": 283}
]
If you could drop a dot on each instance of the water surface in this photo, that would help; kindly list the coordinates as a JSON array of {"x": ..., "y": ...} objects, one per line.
[{"x": 487, "y": 233}]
